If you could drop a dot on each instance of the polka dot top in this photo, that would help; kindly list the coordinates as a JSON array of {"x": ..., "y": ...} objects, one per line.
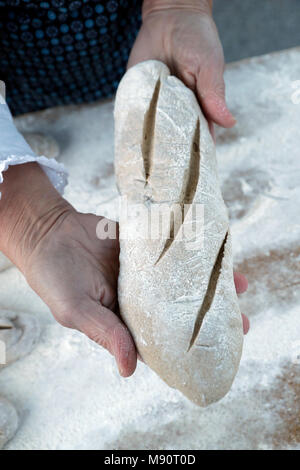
[{"x": 61, "y": 52}]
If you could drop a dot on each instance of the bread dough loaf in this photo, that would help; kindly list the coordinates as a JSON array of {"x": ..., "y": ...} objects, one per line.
[{"x": 180, "y": 304}]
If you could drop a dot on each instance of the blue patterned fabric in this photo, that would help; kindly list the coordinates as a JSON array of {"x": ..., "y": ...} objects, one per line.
[{"x": 64, "y": 52}]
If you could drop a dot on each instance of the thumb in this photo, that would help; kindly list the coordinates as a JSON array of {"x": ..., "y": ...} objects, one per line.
[
  {"x": 105, "y": 328},
  {"x": 211, "y": 94}
]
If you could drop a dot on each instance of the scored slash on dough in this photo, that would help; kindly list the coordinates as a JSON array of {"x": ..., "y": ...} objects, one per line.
[
  {"x": 210, "y": 293},
  {"x": 164, "y": 154},
  {"x": 20, "y": 333},
  {"x": 148, "y": 132},
  {"x": 190, "y": 183}
]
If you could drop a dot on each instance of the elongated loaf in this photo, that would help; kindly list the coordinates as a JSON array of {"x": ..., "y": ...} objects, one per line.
[{"x": 179, "y": 302}]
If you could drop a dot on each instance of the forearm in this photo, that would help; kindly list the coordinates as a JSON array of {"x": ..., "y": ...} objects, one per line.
[
  {"x": 28, "y": 207},
  {"x": 150, "y": 6}
]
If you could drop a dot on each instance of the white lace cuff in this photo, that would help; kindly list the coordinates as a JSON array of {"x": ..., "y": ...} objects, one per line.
[{"x": 14, "y": 150}]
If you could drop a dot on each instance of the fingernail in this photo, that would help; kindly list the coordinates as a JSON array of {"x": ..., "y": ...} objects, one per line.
[
  {"x": 223, "y": 109},
  {"x": 230, "y": 115}
]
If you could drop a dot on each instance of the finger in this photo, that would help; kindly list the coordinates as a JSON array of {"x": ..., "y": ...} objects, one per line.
[
  {"x": 211, "y": 94},
  {"x": 241, "y": 283},
  {"x": 105, "y": 328},
  {"x": 246, "y": 324}
]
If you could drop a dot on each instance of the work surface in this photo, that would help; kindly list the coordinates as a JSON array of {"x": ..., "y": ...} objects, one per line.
[{"x": 67, "y": 391}]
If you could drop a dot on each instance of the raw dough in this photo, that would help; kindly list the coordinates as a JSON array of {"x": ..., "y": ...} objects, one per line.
[
  {"x": 20, "y": 332},
  {"x": 179, "y": 304}
]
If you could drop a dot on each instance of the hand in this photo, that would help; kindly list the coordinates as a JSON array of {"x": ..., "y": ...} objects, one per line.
[
  {"x": 76, "y": 275},
  {"x": 62, "y": 259},
  {"x": 184, "y": 36}
]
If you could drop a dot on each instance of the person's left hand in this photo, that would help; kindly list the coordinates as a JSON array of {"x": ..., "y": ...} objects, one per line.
[{"x": 187, "y": 41}]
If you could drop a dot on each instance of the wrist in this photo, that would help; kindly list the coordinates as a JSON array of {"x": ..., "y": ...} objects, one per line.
[
  {"x": 200, "y": 6},
  {"x": 29, "y": 207}
]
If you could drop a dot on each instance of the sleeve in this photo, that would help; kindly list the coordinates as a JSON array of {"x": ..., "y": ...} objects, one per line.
[{"x": 14, "y": 150}]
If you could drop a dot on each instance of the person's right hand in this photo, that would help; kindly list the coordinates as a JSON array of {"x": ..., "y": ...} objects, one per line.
[
  {"x": 183, "y": 35},
  {"x": 73, "y": 271},
  {"x": 76, "y": 275}
]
